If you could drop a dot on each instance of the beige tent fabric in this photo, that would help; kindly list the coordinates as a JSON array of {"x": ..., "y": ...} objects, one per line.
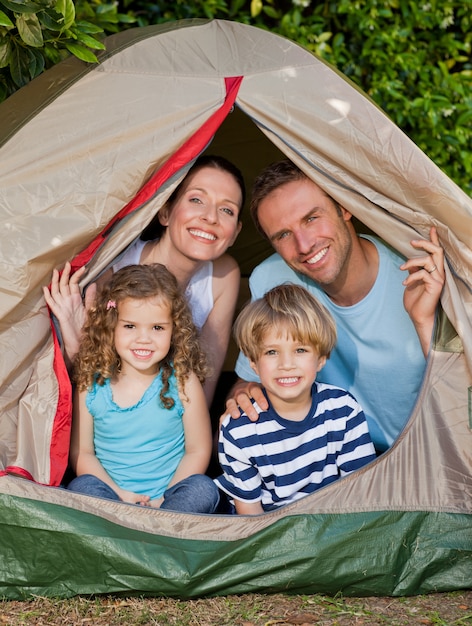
[
  {"x": 79, "y": 142},
  {"x": 428, "y": 469}
]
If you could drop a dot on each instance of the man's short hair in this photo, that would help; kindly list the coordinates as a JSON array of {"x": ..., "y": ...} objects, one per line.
[{"x": 271, "y": 178}]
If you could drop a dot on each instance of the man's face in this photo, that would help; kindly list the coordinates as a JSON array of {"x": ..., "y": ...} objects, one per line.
[{"x": 308, "y": 232}]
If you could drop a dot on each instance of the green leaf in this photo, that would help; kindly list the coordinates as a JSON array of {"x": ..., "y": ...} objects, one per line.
[
  {"x": 81, "y": 52},
  {"x": 6, "y": 21},
  {"x": 271, "y": 12},
  {"x": 3, "y": 92},
  {"x": 256, "y": 7},
  {"x": 87, "y": 27},
  {"x": 51, "y": 20},
  {"x": 22, "y": 6},
  {"x": 104, "y": 9},
  {"x": 67, "y": 9},
  {"x": 88, "y": 41},
  {"x": 324, "y": 37},
  {"x": 464, "y": 118},
  {"x": 124, "y": 18},
  {"x": 29, "y": 30},
  {"x": 236, "y": 5},
  {"x": 5, "y": 52},
  {"x": 22, "y": 66},
  {"x": 38, "y": 66}
]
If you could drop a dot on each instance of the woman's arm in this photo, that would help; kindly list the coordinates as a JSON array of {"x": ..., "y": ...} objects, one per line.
[
  {"x": 197, "y": 432},
  {"x": 217, "y": 329},
  {"x": 64, "y": 298},
  {"x": 82, "y": 451}
]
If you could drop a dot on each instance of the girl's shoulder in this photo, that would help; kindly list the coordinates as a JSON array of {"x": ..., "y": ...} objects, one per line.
[{"x": 192, "y": 388}]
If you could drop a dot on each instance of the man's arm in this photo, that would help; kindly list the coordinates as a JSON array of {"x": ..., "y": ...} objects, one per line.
[{"x": 239, "y": 399}]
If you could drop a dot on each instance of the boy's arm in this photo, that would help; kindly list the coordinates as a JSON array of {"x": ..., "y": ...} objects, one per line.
[
  {"x": 240, "y": 476},
  {"x": 357, "y": 448},
  {"x": 248, "y": 508}
]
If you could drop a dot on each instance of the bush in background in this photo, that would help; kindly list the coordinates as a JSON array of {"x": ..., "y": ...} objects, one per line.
[{"x": 411, "y": 57}]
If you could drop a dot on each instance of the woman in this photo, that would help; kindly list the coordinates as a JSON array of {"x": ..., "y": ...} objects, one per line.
[{"x": 196, "y": 226}]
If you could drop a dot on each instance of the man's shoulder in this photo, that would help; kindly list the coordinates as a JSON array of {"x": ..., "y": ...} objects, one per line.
[
  {"x": 385, "y": 249},
  {"x": 274, "y": 260}
]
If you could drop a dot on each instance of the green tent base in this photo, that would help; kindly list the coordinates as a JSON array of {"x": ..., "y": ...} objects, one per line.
[{"x": 68, "y": 552}]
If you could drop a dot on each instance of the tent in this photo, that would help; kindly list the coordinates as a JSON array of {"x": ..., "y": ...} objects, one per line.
[{"x": 88, "y": 154}]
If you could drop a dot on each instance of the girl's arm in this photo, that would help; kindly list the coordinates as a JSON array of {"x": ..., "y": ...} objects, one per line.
[
  {"x": 82, "y": 451},
  {"x": 217, "y": 329},
  {"x": 197, "y": 432}
]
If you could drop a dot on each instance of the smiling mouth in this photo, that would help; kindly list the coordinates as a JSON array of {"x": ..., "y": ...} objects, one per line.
[
  {"x": 317, "y": 257},
  {"x": 288, "y": 381},
  {"x": 142, "y": 353},
  {"x": 202, "y": 234}
]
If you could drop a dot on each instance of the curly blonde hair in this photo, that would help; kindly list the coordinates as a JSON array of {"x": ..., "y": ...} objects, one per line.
[{"x": 98, "y": 359}]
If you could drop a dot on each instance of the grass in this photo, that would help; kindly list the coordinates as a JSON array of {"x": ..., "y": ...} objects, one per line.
[{"x": 441, "y": 609}]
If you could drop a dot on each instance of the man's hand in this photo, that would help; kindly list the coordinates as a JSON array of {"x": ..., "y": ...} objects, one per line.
[
  {"x": 424, "y": 285},
  {"x": 239, "y": 400}
]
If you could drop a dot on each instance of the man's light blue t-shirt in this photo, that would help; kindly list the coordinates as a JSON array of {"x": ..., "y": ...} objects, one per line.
[{"x": 378, "y": 356}]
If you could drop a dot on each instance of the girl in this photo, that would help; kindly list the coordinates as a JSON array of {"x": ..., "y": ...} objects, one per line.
[
  {"x": 190, "y": 236},
  {"x": 141, "y": 430}
]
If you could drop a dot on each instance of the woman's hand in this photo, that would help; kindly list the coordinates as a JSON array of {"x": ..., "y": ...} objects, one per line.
[{"x": 64, "y": 299}]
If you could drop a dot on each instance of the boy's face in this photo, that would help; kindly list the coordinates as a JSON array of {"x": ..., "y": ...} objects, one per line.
[{"x": 287, "y": 369}]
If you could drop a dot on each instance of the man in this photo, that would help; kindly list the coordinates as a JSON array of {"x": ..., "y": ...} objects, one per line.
[{"x": 384, "y": 320}]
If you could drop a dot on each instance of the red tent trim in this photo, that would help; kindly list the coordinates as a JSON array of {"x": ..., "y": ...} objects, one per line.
[{"x": 187, "y": 152}]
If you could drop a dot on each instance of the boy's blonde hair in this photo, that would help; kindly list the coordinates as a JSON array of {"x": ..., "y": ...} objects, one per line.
[
  {"x": 285, "y": 308},
  {"x": 98, "y": 359}
]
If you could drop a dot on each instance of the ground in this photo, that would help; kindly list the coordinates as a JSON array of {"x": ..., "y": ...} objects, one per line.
[{"x": 441, "y": 609}]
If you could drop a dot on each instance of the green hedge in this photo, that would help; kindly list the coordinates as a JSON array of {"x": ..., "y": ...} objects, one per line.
[{"x": 411, "y": 57}]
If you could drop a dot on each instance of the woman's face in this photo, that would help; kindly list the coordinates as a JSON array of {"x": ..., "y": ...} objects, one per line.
[{"x": 204, "y": 220}]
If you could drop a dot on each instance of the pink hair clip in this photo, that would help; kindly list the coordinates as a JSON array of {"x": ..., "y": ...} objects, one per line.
[{"x": 111, "y": 304}]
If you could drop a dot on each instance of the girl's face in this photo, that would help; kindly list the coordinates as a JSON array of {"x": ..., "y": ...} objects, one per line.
[
  {"x": 143, "y": 334},
  {"x": 204, "y": 221},
  {"x": 287, "y": 369}
]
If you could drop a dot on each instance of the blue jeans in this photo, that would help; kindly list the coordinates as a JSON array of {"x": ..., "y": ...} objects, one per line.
[{"x": 195, "y": 494}]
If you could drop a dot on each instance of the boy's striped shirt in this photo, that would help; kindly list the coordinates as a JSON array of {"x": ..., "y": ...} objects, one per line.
[{"x": 277, "y": 461}]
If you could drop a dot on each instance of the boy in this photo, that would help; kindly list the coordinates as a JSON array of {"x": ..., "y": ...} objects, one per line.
[{"x": 312, "y": 433}]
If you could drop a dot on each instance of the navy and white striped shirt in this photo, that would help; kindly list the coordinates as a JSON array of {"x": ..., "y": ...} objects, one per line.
[{"x": 277, "y": 461}]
